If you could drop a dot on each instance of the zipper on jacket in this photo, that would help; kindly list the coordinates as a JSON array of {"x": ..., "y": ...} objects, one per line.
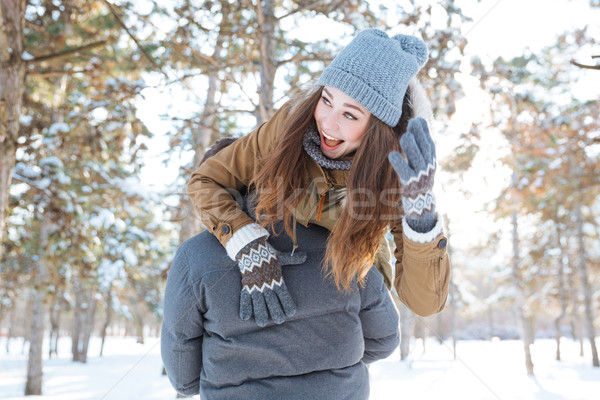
[
  {"x": 320, "y": 209},
  {"x": 294, "y": 239}
]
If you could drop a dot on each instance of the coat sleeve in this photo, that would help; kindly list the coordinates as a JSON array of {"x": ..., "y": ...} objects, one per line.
[
  {"x": 182, "y": 329},
  {"x": 422, "y": 268},
  {"x": 379, "y": 319},
  {"x": 214, "y": 187}
]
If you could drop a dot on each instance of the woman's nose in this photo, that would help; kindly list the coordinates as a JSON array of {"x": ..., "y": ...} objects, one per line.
[{"x": 330, "y": 123}]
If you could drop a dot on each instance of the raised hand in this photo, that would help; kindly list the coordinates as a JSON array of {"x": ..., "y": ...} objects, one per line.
[{"x": 416, "y": 174}]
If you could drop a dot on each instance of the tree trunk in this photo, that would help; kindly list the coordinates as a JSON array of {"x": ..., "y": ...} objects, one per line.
[
  {"x": 574, "y": 322},
  {"x": 12, "y": 82},
  {"x": 526, "y": 336},
  {"x": 580, "y": 336},
  {"x": 562, "y": 298},
  {"x": 11, "y": 325},
  {"x": 22, "y": 322},
  {"x": 585, "y": 286},
  {"x": 440, "y": 336},
  {"x": 77, "y": 316},
  {"x": 54, "y": 313},
  {"x": 83, "y": 321},
  {"x": 407, "y": 324},
  {"x": 208, "y": 131},
  {"x": 139, "y": 324},
  {"x": 33, "y": 386},
  {"x": 490, "y": 316},
  {"x": 2, "y": 311},
  {"x": 108, "y": 318},
  {"x": 57, "y": 335},
  {"x": 265, "y": 16},
  {"x": 87, "y": 326},
  {"x": 453, "y": 294},
  {"x": 127, "y": 326},
  {"x": 420, "y": 331},
  {"x": 531, "y": 327}
]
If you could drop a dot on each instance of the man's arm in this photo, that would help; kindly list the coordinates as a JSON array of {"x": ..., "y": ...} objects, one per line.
[
  {"x": 182, "y": 329},
  {"x": 379, "y": 319}
]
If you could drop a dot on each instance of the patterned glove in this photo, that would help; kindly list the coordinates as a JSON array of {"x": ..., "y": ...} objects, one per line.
[
  {"x": 263, "y": 286},
  {"x": 416, "y": 175}
]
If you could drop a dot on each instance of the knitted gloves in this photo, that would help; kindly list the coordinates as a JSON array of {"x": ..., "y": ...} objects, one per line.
[
  {"x": 263, "y": 287},
  {"x": 416, "y": 175}
]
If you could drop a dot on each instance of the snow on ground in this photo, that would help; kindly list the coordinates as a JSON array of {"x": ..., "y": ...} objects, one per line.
[{"x": 483, "y": 370}]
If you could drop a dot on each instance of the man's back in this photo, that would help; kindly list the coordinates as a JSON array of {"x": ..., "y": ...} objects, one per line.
[{"x": 320, "y": 352}]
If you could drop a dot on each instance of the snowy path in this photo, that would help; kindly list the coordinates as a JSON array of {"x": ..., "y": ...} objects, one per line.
[{"x": 484, "y": 370}]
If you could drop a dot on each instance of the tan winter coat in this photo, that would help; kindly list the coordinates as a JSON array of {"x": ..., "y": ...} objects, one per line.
[{"x": 422, "y": 269}]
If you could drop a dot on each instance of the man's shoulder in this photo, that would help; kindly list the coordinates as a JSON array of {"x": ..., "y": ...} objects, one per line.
[{"x": 202, "y": 253}]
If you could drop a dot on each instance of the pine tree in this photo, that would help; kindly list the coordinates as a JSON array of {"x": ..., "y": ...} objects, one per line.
[
  {"x": 79, "y": 141},
  {"x": 554, "y": 173}
]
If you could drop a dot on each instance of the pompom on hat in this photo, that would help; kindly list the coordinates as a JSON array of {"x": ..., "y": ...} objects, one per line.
[{"x": 375, "y": 69}]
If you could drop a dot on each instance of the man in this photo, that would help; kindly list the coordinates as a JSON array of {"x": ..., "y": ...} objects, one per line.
[{"x": 321, "y": 352}]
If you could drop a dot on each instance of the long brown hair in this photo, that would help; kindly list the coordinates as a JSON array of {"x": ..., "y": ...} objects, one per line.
[{"x": 372, "y": 191}]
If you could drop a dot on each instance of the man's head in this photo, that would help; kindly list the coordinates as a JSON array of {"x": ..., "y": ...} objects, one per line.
[{"x": 215, "y": 148}]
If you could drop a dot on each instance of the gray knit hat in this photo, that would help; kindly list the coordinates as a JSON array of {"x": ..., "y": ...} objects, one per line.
[{"x": 374, "y": 70}]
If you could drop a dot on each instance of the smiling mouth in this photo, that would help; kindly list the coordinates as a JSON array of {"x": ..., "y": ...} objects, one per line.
[{"x": 329, "y": 141}]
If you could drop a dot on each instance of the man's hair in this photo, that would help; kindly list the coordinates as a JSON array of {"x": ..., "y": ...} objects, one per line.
[{"x": 217, "y": 147}]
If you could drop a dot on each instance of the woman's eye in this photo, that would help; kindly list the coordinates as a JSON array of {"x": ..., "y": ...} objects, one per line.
[
  {"x": 350, "y": 116},
  {"x": 326, "y": 100}
]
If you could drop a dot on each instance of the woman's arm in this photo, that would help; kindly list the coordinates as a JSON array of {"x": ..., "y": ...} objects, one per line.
[
  {"x": 214, "y": 187},
  {"x": 215, "y": 192},
  {"x": 422, "y": 268}
]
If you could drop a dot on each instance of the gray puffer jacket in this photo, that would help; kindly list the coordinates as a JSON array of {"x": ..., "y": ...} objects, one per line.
[{"x": 319, "y": 353}]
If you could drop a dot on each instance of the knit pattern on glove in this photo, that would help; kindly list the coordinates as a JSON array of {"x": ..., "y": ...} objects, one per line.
[
  {"x": 416, "y": 175},
  {"x": 264, "y": 291}
]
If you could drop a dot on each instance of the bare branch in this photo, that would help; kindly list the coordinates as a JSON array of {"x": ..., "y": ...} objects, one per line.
[
  {"x": 235, "y": 111},
  {"x": 111, "y": 8},
  {"x": 32, "y": 184},
  {"x": 300, "y": 8},
  {"x": 210, "y": 60},
  {"x": 220, "y": 110},
  {"x": 596, "y": 67},
  {"x": 182, "y": 78},
  {"x": 67, "y": 52},
  {"x": 59, "y": 73},
  {"x": 324, "y": 56}
]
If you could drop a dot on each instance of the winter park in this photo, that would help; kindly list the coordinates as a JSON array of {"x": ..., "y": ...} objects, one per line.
[{"x": 265, "y": 199}]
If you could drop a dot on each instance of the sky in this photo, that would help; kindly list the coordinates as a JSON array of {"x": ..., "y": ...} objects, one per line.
[{"x": 505, "y": 27}]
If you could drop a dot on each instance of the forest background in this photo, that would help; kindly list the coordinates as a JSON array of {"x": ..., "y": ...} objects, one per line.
[{"x": 106, "y": 106}]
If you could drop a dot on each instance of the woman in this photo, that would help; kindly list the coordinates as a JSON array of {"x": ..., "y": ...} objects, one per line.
[{"x": 323, "y": 159}]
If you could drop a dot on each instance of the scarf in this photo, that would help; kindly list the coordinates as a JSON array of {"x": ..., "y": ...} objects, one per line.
[{"x": 312, "y": 145}]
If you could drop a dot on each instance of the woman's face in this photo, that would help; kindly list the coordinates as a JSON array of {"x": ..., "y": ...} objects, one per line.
[{"x": 341, "y": 122}]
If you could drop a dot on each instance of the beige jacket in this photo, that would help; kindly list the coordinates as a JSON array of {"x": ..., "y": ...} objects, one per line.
[{"x": 422, "y": 266}]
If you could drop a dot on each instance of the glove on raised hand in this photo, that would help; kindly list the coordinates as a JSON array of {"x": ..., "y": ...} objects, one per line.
[
  {"x": 416, "y": 175},
  {"x": 263, "y": 287}
]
